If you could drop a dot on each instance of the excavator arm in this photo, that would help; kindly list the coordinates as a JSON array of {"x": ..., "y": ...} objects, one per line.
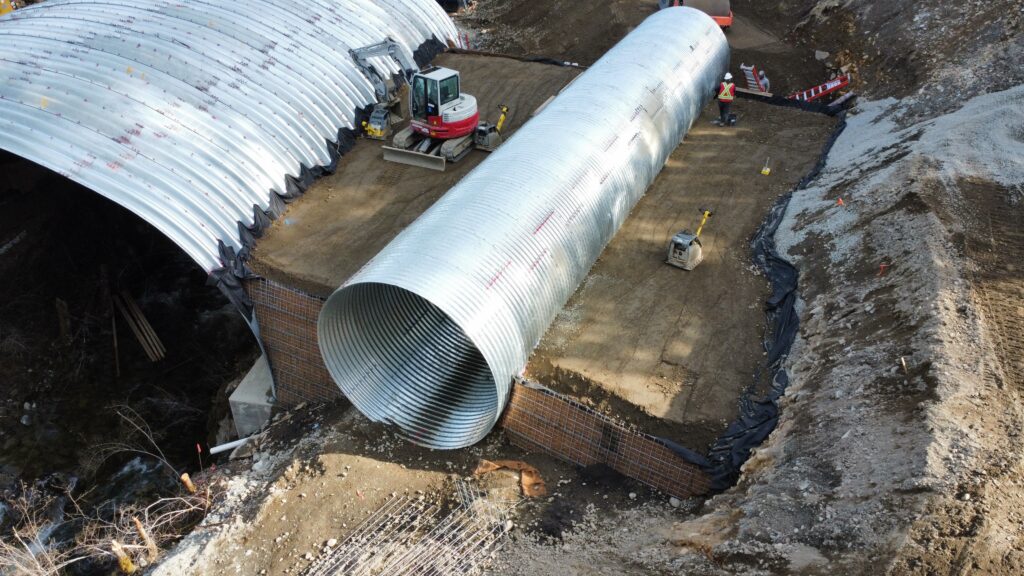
[{"x": 389, "y": 48}]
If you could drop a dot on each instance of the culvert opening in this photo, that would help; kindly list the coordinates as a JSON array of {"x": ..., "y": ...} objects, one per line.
[
  {"x": 68, "y": 256},
  {"x": 402, "y": 360}
]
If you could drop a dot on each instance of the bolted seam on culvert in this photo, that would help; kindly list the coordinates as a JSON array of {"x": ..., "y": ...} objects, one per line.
[{"x": 429, "y": 334}]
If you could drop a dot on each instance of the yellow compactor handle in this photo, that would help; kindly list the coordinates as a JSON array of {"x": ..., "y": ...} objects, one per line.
[
  {"x": 5, "y": 7},
  {"x": 501, "y": 119},
  {"x": 707, "y": 214}
]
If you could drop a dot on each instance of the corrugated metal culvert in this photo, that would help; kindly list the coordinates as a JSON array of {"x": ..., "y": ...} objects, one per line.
[
  {"x": 193, "y": 114},
  {"x": 430, "y": 333}
]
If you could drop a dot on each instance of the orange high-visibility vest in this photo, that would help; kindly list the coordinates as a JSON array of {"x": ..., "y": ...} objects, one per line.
[{"x": 727, "y": 92}]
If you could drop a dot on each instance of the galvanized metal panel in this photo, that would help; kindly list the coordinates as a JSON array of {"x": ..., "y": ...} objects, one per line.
[
  {"x": 192, "y": 113},
  {"x": 430, "y": 333}
]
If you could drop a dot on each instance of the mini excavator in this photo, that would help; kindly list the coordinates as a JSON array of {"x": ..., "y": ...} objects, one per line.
[{"x": 444, "y": 123}]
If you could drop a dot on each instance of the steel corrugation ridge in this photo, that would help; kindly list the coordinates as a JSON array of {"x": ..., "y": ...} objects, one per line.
[
  {"x": 233, "y": 134},
  {"x": 290, "y": 85},
  {"x": 191, "y": 114},
  {"x": 429, "y": 334}
]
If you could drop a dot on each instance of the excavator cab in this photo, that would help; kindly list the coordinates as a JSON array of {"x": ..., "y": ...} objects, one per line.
[
  {"x": 438, "y": 106},
  {"x": 429, "y": 93}
]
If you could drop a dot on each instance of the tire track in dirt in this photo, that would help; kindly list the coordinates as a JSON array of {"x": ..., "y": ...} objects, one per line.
[
  {"x": 999, "y": 277},
  {"x": 996, "y": 248}
]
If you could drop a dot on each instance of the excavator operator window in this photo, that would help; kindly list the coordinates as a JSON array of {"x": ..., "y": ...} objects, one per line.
[
  {"x": 449, "y": 89},
  {"x": 433, "y": 108},
  {"x": 419, "y": 97}
]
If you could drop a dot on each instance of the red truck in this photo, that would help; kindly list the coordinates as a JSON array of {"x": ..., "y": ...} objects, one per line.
[{"x": 720, "y": 10}]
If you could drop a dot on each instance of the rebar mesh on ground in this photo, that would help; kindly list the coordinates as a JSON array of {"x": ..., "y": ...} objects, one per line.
[{"x": 412, "y": 537}]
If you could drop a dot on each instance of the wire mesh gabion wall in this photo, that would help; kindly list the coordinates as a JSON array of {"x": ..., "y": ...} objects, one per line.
[{"x": 428, "y": 335}]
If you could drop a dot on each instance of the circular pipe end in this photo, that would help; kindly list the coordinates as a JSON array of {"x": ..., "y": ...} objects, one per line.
[{"x": 402, "y": 360}]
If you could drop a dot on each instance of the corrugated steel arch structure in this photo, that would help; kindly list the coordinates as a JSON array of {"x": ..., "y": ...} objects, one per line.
[{"x": 197, "y": 116}]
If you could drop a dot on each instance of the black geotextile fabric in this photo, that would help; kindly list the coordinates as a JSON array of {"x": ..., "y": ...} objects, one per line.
[
  {"x": 229, "y": 277},
  {"x": 534, "y": 59},
  {"x": 760, "y": 414},
  {"x": 552, "y": 61}
]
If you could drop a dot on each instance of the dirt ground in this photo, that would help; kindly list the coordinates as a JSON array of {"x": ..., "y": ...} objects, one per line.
[
  {"x": 346, "y": 218},
  {"x": 641, "y": 336},
  {"x": 936, "y": 53},
  {"x": 898, "y": 445},
  {"x": 317, "y": 473},
  {"x": 583, "y": 32},
  {"x": 897, "y": 450}
]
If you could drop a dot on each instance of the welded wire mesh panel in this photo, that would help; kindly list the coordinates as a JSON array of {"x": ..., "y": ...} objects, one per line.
[
  {"x": 287, "y": 321},
  {"x": 415, "y": 537},
  {"x": 542, "y": 420},
  {"x": 429, "y": 334}
]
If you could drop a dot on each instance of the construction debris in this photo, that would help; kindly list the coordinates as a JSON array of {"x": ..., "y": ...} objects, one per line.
[{"x": 529, "y": 477}]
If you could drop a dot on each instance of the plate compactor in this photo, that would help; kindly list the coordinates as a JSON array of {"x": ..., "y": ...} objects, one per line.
[{"x": 685, "y": 250}]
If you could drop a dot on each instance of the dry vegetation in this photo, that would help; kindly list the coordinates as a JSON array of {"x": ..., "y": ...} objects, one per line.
[{"x": 46, "y": 528}]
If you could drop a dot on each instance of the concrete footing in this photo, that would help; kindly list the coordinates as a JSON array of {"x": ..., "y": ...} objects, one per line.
[{"x": 251, "y": 402}]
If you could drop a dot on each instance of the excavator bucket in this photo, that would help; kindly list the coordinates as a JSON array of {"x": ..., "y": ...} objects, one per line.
[{"x": 413, "y": 158}]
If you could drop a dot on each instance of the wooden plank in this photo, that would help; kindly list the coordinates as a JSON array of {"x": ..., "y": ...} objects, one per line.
[
  {"x": 130, "y": 320},
  {"x": 144, "y": 325},
  {"x": 754, "y": 92},
  {"x": 117, "y": 356}
]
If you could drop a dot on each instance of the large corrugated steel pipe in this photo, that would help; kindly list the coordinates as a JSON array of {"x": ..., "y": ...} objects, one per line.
[{"x": 429, "y": 334}]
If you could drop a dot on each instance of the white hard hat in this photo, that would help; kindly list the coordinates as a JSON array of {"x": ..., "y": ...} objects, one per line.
[{"x": 728, "y": 75}]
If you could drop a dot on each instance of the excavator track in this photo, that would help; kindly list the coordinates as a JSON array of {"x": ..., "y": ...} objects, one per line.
[
  {"x": 457, "y": 148},
  {"x": 411, "y": 149}
]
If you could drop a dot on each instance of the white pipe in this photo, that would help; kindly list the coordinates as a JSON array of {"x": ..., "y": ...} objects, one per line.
[{"x": 230, "y": 445}]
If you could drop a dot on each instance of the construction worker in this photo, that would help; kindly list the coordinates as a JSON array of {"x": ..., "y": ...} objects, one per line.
[{"x": 726, "y": 94}]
